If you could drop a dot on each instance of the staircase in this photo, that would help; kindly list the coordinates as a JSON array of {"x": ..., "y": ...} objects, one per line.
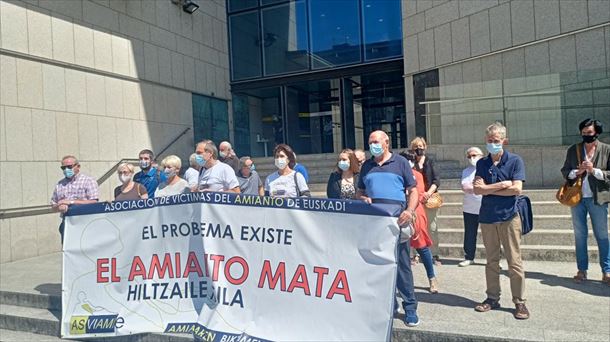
[{"x": 552, "y": 238}]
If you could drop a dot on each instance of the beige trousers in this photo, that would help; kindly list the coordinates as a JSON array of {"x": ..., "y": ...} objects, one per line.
[{"x": 508, "y": 235}]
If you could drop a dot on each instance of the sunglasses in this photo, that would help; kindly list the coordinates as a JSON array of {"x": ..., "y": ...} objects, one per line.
[
  {"x": 472, "y": 156},
  {"x": 63, "y": 167}
]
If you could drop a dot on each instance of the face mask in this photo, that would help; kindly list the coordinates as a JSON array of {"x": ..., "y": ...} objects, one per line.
[
  {"x": 494, "y": 148},
  {"x": 343, "y": 165},
  {"x": 281, "y": 163},
  {"x": 124, "y": 178},
  {"x": 144, "y": 164},
  {"x": 473, "y": 161},
  {"x": 589, "y": 138},
  {"x": 222, "y": 154},
  {"x": 376, "y": 149},
  {"x": 252, "y": 167},
  {"x": 69, "y": 173},
  {"x": 169, "y": 173},
  {"x": 199, "y": 160},
  {"x": 419, "y": 151}
]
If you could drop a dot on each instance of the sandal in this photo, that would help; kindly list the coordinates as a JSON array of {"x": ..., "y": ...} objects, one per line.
[
  {"x": 488, "y": 304},
  {"x": 415, "y": 260},
  {"x": 580, "y": 277}
]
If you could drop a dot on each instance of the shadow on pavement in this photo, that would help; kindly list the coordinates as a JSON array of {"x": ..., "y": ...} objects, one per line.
[
  {"x": 49, "y": 289},
  {"x": 591, "y": 287}
]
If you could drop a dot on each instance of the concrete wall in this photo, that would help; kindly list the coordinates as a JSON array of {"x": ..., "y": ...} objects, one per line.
[
  {"x": 100, "y": 80},
  {"x": 504, "y": 49}
]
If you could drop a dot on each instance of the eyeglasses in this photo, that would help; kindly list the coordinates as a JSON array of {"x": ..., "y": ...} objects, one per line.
[
  {"x": 472, "y": 156},
  {"x": 63, "y": 167}
]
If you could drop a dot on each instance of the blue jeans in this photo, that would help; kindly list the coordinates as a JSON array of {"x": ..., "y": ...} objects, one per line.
[
  {"x": 471, "y": 225},
  {"x": 404, "y": 279},
  {"x": 426, "y": 258},
  {"x": 599, "y": 220}
]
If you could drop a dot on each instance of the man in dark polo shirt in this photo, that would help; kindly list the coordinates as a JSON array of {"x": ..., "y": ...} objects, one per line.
[
  {"x": 387, "y": 178},
  {"x": 499, "y": 178}
]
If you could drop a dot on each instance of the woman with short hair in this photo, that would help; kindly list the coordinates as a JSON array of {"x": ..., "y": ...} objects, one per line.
[
  {"x": 174, "y": 185},
  {"x": 285, "y": 182},
  {"x": 129, "y": 190}
]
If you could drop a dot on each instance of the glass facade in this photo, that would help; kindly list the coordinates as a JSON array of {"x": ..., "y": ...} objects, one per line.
[
  {"x": 277, "y": 45},
  {"x": 210, "y": 118},
  {"x": 280, "y": 37},
  {"x": 537, "y": 110}
]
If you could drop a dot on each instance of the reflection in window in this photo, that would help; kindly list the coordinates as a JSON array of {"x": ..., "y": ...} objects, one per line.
[
  {"x": 382, "y": 29},
  {"x": 245, "y": 45},
  {"x": 210, "y": 118},
  {"x": 285, "y": 38},
  {"x": 335, "y": 31},
  {"x": 241, "y": 124},
  {"x": 238, "y": 5}
]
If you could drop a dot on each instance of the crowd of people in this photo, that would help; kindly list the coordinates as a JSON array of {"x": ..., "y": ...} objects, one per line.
[{"x": 491, "y": 184}]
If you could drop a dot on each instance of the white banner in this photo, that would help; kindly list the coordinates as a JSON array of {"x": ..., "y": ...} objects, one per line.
[{"x": 228, "y": 267}]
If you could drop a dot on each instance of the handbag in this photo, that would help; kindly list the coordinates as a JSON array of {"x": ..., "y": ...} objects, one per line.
[
  {"x": 570, "y": 193},
  {"x": 435, "y": 201}
]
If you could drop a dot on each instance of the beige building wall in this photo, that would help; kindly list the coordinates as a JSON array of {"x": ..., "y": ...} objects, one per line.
[
  {"x": 540, "y": 66},
  {"x": 100, "y": 80}
]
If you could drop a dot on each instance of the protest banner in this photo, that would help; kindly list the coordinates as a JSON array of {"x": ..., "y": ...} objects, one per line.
[{"x": 228, "y": 267}]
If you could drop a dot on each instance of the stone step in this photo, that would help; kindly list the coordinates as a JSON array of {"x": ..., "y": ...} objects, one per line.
[
  {"x": 540, "y": 221},
  {"x": 20, "y": 336},
  {"x": 538, "y": 208},
  {"x": 455, "y": 195},
  {"x": 547, "y": 237},
  {"x": 528, "y": 252},
  {"x": 32, "y": 300}
]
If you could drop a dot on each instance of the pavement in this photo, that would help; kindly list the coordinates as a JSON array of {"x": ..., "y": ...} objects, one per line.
[{"x": 560, "y": 309}]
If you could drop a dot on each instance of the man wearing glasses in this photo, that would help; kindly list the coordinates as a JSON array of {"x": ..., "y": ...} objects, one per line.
[
  {"x": 499, "y": 178},
  {"x": 74, "y": 188}
]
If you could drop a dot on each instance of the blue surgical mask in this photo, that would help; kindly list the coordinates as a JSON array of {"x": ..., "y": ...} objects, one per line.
[
  {"x": 494, "y": 148},
  {"x": 200, "y": 160},
  {"x": 222, "y": 154},
  {"x": 376, "y": 149},
  {"x": 144, "y": 164},
  {"x": 169, "y": 173},
  {"x": 69, "y": 173},
  {"x": 281, "y": 163},
  {"x": 343, "y": 164},
  {"x": 252, "y": 167}
]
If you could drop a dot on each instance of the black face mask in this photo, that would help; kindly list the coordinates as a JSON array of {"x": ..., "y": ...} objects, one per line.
[
  {"x": 589, "y": 138},
  {"x": 419, "y": 151}
]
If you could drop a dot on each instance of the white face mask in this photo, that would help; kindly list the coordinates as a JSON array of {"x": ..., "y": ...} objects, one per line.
[
  {"x": 281, "y": 163},
  {"x": 124, "y": 178},
  {"x": 473, "y": 161}
]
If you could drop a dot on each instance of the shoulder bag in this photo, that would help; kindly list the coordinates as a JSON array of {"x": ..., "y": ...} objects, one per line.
[{"x": 570, "y": 192}]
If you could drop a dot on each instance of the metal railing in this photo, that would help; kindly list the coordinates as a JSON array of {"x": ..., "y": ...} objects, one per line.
[{"x": 48, "y": 209}]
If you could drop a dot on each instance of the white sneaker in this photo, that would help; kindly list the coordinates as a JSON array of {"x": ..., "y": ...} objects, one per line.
[{"x": 465, "y": 263}]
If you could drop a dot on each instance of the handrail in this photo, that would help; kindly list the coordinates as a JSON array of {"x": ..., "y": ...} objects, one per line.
[{"x": 48, "y": 209}]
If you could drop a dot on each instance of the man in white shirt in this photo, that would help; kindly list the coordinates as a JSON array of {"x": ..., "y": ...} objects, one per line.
[{"x": 214, "y": 175}]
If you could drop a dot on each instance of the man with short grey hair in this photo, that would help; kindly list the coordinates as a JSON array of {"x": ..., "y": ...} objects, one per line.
[
  {"x": 499, "y": 178},
  {"x": 249, "y": 181},
  {"x": 75, "y": 188},
  {"x": 191, "y": 175},
  {"x": 214, "y": 175}
]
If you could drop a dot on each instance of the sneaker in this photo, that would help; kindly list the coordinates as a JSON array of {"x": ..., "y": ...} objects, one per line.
[
  {"x": 580, "y": 277},
  {"x": 521, "y": 311},
  {"x": 411, "y": 319},
  {"x": 433, "y": 285},
  {"x": 465, "y": 263}
]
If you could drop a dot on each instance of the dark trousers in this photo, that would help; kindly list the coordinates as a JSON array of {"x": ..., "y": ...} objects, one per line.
[
  {"x": 404, "y": 279},
  {"x": 62, "y": 226},
  {"x": 471, "y": 225}
]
